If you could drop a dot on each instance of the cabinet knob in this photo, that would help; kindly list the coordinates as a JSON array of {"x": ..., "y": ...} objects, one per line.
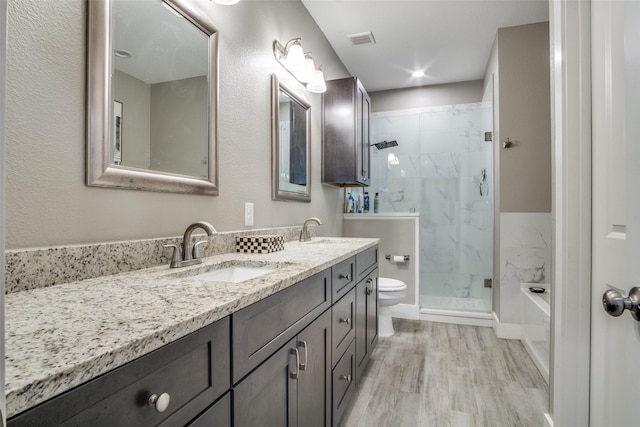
[
  {"x": 161, "y": 403},
  {"x": 346, "y": 320},
  {"x": 347, "y": 378},
  {"x": 344, "y": 276}
]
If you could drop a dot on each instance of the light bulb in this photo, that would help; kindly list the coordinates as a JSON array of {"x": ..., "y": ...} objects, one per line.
[
  {"x": 317, "y": 84},
  {"x": 295, "y": 57},
  {"x": 309, "y": 70}
]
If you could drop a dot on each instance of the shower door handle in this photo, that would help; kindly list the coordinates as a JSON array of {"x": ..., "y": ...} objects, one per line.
[{"x": 615, "y": 303}]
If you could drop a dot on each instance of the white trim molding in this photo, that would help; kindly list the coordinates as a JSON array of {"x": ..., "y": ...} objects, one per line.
[
  {"x": 510, "y": 331},
  {"x": 570, "y": 26},
  {"x": 405, "y": 311}
]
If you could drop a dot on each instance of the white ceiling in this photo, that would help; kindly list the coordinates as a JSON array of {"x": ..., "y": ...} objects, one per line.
[
  {"x": 164, "y": 46},
  {"x": 450, "y": 40}
]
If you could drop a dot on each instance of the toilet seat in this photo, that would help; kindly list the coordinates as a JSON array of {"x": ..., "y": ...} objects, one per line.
[{"x": 386, "y": 284}]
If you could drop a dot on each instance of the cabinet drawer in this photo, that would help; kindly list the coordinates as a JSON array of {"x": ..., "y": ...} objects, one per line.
[
  {"x": 217, "y": 415},
  {"x": 365, "y": 262},
  {"x": 343, "y": 384},
  {"x": 343, "y": 325},
  {"x": 261, "y": 328},
  {"x": 342, "y": 278},
  {"x": 193, "y": 370}
]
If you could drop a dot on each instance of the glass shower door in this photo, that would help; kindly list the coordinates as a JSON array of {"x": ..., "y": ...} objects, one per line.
[{"x": 456, "y": 220}]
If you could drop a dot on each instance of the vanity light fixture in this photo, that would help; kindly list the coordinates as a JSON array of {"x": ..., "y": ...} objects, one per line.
[{"x": 300, "y": 64}]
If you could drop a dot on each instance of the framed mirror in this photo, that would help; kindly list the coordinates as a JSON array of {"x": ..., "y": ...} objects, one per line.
[
  {"x": 152, "y": 96},
  {"x": 291, "y": 144}
]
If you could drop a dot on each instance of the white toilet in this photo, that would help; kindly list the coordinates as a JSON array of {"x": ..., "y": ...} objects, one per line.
[{"x": 390, "y": 292}]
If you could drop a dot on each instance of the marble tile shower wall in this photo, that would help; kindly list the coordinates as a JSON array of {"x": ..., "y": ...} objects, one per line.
[
  {"x": 35, "y": 268},
  {"x": 437, "y": 170},
  {"x": 525, "y": 257}
]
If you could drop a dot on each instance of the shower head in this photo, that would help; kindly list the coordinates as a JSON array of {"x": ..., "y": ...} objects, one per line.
[{"x": 385, "y": 144}]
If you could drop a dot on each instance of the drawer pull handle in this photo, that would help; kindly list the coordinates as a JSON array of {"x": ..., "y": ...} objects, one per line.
[
  {"x": 303, "y": 365},
  {"x": 347, "y": 378},
  {"x": 161, "y": 403},
  {"x": 369, "y": 291},
  {"x": 346, "y": 320},
  {"x": 370, "y": 280},
  {"x": 344, "y": 276},
  {"x": 295, "y": 373}
]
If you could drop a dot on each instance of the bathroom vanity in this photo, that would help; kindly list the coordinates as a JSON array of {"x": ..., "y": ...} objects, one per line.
[{"x": 163, "y": 347}]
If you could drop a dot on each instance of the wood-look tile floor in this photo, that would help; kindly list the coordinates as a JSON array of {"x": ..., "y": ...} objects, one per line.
[{"x": 445, "y": 375}]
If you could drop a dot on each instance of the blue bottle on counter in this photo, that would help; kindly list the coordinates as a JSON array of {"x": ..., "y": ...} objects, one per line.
[{"x": 351, "y": 208}]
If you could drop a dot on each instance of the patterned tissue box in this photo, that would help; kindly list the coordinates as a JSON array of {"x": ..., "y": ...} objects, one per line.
[{"x": 259, "y": 244}]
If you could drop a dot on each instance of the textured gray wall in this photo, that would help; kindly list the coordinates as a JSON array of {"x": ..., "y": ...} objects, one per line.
[
  {"x": 47, "y": 202},
  {"x": 135, "y": 97},
  {"x": 427, "y": 96},
  {"x": 525, "y": 118}
]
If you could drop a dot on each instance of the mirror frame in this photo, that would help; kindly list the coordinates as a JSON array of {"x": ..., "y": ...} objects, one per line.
[
  {"x": 101, "y": 171},
  {"x": 276, "y": 192}
]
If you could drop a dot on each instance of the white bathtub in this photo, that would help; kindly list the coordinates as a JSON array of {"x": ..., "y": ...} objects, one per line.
[{"x": 536, "y": 325}]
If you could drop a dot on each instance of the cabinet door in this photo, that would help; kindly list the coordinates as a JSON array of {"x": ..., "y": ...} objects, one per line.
[
  {"x": 372, "y": 311},
  {"x": 362, "y": 134},
  {"x": 314, "y": 383},
  {"x": 217, "y": 415},
  {"x": 366, "y": 321},
  {"x": 361, "y": 353},
  {"x": 268, "y": 396}
]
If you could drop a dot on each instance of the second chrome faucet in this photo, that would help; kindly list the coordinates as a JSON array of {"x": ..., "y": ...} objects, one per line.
[
  {"x": 305, "y": 236},
  {"x": 185, "y": 255}
]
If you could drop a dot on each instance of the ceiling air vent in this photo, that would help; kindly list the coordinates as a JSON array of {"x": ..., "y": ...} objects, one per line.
[{"x": 362, "y": 38}]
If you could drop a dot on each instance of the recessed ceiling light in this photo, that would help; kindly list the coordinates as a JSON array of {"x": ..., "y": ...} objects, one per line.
[{"x": 417, "y": 74}]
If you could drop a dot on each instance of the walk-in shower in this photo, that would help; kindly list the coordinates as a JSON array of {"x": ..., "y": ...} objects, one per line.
[{"x": 442, "y": 168}]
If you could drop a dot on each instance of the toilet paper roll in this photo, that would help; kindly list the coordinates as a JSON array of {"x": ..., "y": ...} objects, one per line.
[{"x": 398, "y": 258}]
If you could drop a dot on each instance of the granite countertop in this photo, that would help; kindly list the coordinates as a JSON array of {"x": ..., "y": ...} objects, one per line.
[{"x": 61, "y": 336}]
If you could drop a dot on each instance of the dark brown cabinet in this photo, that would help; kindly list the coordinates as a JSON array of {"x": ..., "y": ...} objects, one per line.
[
  {"x": 290, "y": 359},
  {"x": 292, "y": 387},
  {"x": 366, "y": 318},
  {"x": 366, "y": 321},
  {"x": 345, "y": 137},
  {"x": 191, "y": 373}
]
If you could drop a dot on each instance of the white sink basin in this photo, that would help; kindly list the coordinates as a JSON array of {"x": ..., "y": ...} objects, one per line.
[{"x": 234, "y": 274}]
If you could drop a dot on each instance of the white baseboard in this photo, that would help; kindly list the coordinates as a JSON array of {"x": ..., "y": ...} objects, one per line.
[
  {"x": 510, "y": 331},
  {"x": 548, "y": 421},
  {"x": 457, "y": 317},
  {"x": 406, "y": 311}
]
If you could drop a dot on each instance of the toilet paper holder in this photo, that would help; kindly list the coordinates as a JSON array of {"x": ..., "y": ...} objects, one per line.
[{"x": 390, "y": 257}]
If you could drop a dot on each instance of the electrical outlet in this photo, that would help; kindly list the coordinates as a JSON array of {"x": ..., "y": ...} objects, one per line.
[{"x": 248, "y": 214}]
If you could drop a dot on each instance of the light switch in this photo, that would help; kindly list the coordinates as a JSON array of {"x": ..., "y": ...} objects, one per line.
[{"x": 248, "y": 214}]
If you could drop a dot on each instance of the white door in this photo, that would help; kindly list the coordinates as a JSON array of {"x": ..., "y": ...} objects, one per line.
[{"x": 615, "y": 341}]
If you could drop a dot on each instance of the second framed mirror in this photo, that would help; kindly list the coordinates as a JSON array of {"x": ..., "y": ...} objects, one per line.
[{"x": 291, "y": 144}]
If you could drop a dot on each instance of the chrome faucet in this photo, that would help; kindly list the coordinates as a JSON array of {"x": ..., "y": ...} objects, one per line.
[
  {"x": 186, "y": 255},
  {"x": 304, "y": 233}
]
